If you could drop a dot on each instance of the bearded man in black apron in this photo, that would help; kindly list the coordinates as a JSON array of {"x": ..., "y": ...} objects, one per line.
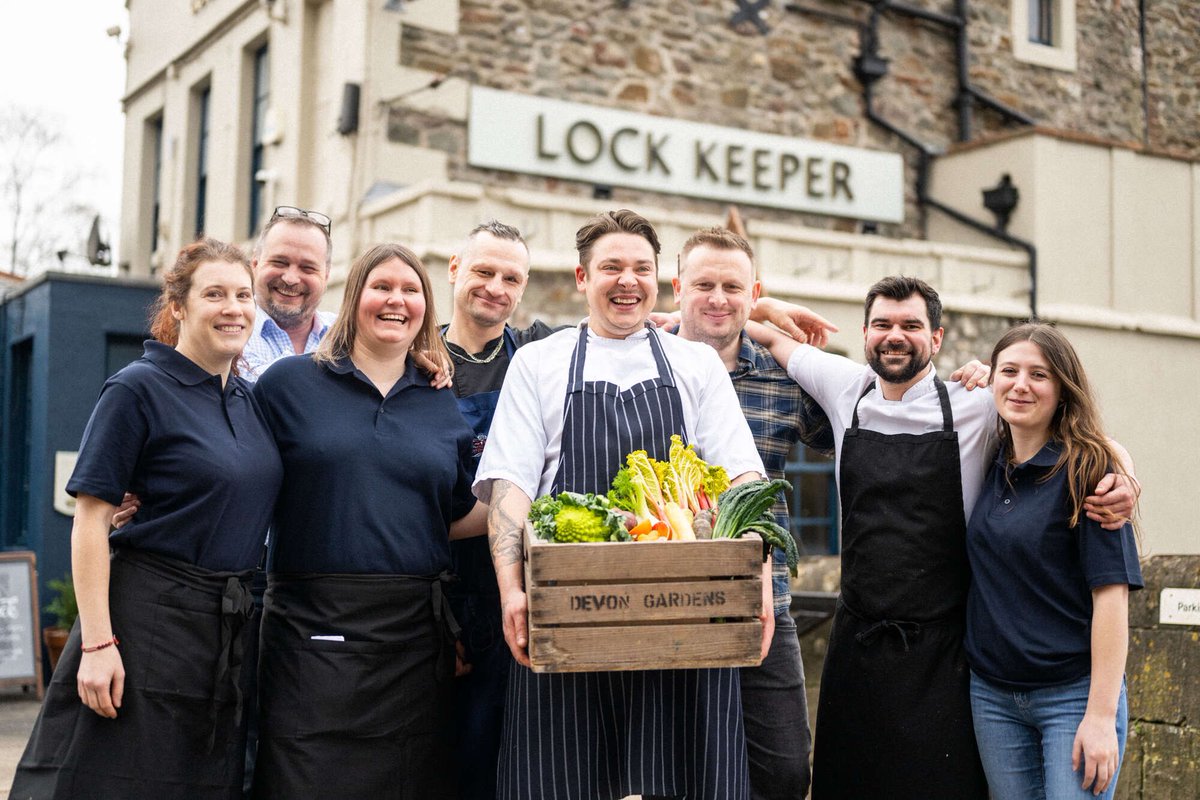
[
  {"x": 572, "y": 407},
  {"x": 894, "y": 715}
]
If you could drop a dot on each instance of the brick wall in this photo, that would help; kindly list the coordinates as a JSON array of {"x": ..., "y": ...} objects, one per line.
[{"x": 683, "y": 60}]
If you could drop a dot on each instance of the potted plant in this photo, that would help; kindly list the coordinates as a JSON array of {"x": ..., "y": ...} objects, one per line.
[{"x": 65, "y": 609}]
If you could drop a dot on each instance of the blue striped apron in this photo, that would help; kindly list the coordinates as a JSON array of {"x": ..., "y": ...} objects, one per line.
[{"x": 606, "y": 735}]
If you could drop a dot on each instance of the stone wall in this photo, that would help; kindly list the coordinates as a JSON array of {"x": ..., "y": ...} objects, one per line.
[
  {"x": 683, "y": 60},
  {"x": 1173, "y": 77},
  {"x": 1162, "y": 757}
]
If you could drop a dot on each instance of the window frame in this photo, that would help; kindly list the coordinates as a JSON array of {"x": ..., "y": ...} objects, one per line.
[
  {"x": 260, "y": 95},
  {"x": 203, "y": 140},
  {"x": 1059, "y": 18}
]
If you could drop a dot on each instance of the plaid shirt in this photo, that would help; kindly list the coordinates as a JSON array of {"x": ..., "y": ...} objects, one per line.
[
  {"x": 269, "y": 342},
  {"x": 779, "y": 413}
]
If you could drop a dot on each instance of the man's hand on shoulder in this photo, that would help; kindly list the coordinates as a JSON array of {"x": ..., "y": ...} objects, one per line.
[
  {"x": 971, "y": 374},
  {"x": 664, "y": 320},
  {"x": 796, "y": 321},
  {"x": 1115, "y": 498},
  {"x": 438, "y": 370}
]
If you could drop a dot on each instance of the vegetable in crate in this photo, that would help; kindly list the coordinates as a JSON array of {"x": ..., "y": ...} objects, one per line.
[
  {"x": 747, "y": 507},
  {"x": 574, "y": 517},
  {"x": 668, "y": 494}
]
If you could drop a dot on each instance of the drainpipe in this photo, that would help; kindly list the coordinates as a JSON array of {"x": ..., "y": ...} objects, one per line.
[
  {"x": 994, "y": 231},
  {"x": 869, "y": 67}
]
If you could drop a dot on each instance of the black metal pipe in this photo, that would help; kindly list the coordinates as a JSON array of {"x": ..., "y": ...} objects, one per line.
[
  {"x": 907, "y": 138},
  {"x": 995, "y": 105},
  {"x": 958, "y": 22},
  {"x": 868, "y": 45},
  {"x": 1145, "y": 73},
  {"x": 925, "y": 155},
  {"x": 964, "y": 97},
  {"x": 1007, "y": 238},
  {"x": 948, "y": 20},
  {"x": 821, "y": 13}
]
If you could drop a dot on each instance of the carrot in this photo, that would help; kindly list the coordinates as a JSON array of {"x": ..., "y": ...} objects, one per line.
[{"x": 639, "y": 530}]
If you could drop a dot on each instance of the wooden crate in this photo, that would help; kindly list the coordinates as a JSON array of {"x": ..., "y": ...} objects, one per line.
[{"x": 602, "y": 606}]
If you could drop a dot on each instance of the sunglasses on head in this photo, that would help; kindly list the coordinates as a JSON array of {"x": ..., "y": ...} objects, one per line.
[{"x": 299, "y": 213}]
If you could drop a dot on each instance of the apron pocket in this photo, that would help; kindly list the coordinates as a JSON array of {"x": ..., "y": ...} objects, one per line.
[
  {"x": 184, "y": 644},
  {"x": 351, "y": 689}
]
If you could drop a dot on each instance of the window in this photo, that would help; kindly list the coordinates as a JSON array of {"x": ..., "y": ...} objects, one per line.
[
  {"x": 1043, "y": 33},
  {"x": 257, "y": 147},
  {"x": 203, "y": 101},
  {"x": 1041, "y": 22},
  {"x": 813, "y": 503},
  {"x": 121, "y": 350},
  {"x": 155, "y": 140},
  {"x": 15, "y": 477}
]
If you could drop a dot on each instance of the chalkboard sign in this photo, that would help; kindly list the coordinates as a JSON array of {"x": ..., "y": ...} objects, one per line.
[{"x": 20, "y": 644}]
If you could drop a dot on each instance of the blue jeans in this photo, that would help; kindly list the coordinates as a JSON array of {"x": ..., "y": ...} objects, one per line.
[{"x": 1025, "y": 739}]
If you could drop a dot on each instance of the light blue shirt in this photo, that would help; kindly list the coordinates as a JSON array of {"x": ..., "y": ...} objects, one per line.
[{"x": 269, "y": 342}]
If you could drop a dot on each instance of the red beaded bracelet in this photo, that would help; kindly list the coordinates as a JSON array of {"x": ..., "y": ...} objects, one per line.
[{"x": 109, "y": 643}]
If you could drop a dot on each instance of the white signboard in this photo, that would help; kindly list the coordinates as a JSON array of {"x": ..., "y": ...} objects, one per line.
[
  {"x": 1179, "y": 607},
  {"x": 540, "y": 136},
  {"x": 64, "y": 465}
]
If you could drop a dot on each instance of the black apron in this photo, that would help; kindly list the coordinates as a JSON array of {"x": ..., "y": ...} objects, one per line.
[
  {"x": 894, "y": 718},
  {"x": 179, "y": 732},
  {"x": 606, "y": 735},
  {"x": 364, "y": 716},
  {"x": 475, "y": 598}
]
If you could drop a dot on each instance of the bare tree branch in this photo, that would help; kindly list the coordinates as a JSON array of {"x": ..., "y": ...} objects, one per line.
[{"x": 40, "y": 212}]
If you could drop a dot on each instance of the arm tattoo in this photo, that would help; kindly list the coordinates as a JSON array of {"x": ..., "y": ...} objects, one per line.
[{"x": 504, "y": 529}]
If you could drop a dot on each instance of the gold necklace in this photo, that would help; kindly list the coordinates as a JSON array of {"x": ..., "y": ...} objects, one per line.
[{"x": 456, "y": 350}]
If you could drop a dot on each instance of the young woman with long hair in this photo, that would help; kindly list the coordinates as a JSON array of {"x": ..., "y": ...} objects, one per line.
[{"x": 1047, "y": 611}]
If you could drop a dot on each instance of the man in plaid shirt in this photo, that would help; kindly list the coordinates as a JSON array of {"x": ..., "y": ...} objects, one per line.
[{"x": 716, "y": 289}]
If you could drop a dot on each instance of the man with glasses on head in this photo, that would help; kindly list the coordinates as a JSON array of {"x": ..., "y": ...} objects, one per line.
[{"x": 291, "y": 263}]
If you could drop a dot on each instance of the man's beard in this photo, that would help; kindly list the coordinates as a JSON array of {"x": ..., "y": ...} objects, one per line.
[
  {"x": 290, "y": 318},
  {"x": 898, "y": 374}
]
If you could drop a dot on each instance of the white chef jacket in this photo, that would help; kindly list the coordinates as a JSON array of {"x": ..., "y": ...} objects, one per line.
[{"x": 836, "y": 383}]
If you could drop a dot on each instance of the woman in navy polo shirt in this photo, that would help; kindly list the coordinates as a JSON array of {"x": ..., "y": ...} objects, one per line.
[
  {"x": 1047, "y": 612},
  {"x": 357, "y": 641},
  {"x": 156, "y": 656}
]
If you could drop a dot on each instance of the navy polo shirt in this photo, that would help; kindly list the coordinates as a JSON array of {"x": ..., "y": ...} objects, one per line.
[
  {"x": 371, "y": 483},
  {"x": 199, "y": 456},
  {"x": 1029, "y": 609}
]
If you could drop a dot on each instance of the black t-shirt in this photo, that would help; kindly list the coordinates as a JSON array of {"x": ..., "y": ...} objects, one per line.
[
  {"x": 199, "y": 456},
  {"x": 471, "y": 378},
  {"x": 371, "y": 483}
]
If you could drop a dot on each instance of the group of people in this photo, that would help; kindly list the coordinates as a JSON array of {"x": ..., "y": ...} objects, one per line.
[{"x": 391, "y": 656}]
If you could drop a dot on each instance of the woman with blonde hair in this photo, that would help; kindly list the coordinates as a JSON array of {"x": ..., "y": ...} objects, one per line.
[
  {"x": 357, "y": 641},
  {"x": 1047, "y": 611},
  {"x": 147, "y": 699}
]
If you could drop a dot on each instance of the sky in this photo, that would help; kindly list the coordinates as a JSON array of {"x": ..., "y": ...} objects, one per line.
[{"x": 55, "y": 57}]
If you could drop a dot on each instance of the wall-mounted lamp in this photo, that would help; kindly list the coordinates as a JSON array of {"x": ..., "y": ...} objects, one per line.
[{"x": 1001, "y": 199}]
